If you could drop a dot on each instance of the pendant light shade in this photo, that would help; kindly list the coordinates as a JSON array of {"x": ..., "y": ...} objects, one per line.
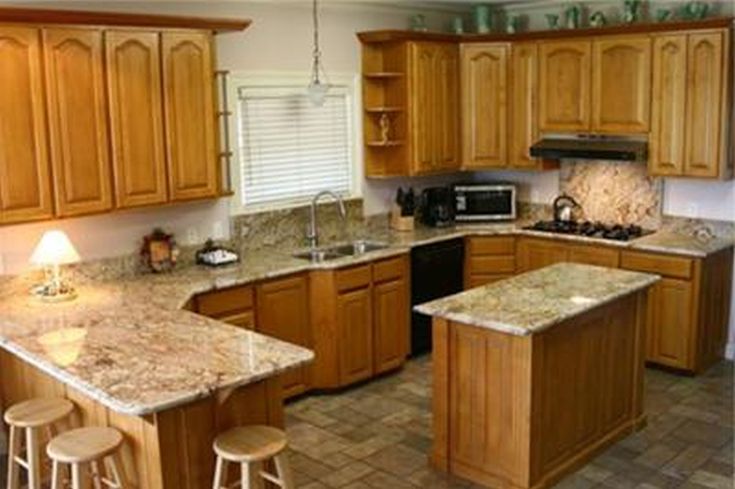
[{"x": 318, "y": 88}]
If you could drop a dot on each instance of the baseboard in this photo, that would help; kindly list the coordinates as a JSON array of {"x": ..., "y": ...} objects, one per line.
[{"x": 730, "y": 351}]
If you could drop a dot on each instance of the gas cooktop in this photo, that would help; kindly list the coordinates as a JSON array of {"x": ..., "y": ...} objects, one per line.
[{"x": 614, "y": 232}]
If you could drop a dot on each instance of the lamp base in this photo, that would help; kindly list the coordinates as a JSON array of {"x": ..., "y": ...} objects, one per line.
[{"x": 52, "y": 293}]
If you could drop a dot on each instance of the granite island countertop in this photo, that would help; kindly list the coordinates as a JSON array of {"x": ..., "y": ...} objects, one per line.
[
  {"x": 128, "y": 344},
  {"x": 534, "y": 301}
]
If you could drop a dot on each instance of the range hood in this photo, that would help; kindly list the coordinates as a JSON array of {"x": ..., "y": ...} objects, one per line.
[{"x": 590, "y": 148}]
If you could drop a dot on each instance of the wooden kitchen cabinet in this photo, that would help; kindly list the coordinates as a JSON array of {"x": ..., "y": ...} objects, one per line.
[
  {"x": 25, "y": 187},
  {"x": 136, "y": 117},
  {"x": 489, "y": 259},
  {"x": 391, "y": 315},
  {"x": 539, "y": 253},
  {"x": 189, "y": 105},
  {"x": 564, "y": 85},
  {"x": 669, "y": 335},
  {"x": 283, "y": 312},
  {"x": 523, "y": 115},
  {"x": 594, "y": 255},
  {"x": 484, "y": 70},
  {"x": 621, "y": 84},
  {"x": 691, "y": 105},
  {"x": 78, "y": 120},
  {"x": 434, "y": 107},
  {"x": 355, "y": 330},
  {"x": 234, "y": 305}
]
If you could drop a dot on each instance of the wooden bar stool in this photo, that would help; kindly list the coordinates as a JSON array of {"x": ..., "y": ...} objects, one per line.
[
  {"x": 32, "y": 416},
  {"x": 250, "y": 446},
  {"x": 88, "y": 446}
]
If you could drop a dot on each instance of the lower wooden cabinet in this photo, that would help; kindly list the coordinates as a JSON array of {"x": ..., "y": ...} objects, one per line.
[
  {"x": 489, "y": 259},
  {"x": 283, "y": 312},
  {"x": 688, "y": 310},
  {"x": 361, "y": 326},
  {"x": 535, "y": 253}
]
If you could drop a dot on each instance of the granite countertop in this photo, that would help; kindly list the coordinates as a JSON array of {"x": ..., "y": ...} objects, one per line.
[
  {"x": 534, "y": 301},
  {"x": 128, "y": 344}
]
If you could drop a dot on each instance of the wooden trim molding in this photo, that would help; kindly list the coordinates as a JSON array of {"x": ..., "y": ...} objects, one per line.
[
  {"x": 85, "y": 17},
  {"x": 403, "y": 35}
]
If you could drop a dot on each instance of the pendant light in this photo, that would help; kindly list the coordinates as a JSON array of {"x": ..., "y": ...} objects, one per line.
[{"x": 318, "y": 88}]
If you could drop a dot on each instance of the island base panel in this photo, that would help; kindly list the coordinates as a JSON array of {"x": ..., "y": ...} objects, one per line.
[
  {"x": 171, "y": 449},
  {"x": 524, "y": 411}
]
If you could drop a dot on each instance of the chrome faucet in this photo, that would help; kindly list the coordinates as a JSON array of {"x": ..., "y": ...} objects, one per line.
[{"x": 312, "y": 232}]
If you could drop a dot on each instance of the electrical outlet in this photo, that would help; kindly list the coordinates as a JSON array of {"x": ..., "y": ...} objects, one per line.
[
  {"x": 192, "y": 236},
  {"x": 693, "y": 209},
  {"x": 218, "y": 231}
]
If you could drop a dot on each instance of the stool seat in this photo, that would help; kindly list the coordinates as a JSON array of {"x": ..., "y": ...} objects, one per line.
[
  {"x": 35, "y": 413},
  {"x": 250, "y": 443},
  {"x": 84, "y": 445}
]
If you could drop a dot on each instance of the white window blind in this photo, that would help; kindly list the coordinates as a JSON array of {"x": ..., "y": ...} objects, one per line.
[{"x": 289, "y": 149}]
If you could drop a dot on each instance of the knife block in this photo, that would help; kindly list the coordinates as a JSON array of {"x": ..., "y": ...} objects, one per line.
[{"x": 399, "y": 222}]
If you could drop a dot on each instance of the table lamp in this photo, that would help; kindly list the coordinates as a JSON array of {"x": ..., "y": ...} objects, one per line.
[{"x": 52, "y": 251}]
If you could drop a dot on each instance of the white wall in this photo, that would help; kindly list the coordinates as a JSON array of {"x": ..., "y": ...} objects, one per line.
[{"x": 278, "y": 40}]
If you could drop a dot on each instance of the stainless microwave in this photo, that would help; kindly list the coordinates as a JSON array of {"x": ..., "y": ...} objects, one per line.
[{"x": 484, "y": 202}]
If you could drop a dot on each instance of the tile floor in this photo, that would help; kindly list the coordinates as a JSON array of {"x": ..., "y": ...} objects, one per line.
[{"x": 376, "y": 436}]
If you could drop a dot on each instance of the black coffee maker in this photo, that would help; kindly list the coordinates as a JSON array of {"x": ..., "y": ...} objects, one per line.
[{"x": 437, "y": 207}]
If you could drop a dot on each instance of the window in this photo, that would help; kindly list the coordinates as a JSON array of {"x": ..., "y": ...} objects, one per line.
[{"x": 287, "y": 149}]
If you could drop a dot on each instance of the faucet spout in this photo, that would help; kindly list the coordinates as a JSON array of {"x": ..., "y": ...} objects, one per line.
[{"x": 312, "y": 232}]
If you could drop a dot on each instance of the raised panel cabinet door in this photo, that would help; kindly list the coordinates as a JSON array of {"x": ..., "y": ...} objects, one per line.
[
  {"x": 705, "y": 103},
  {"x": 25, "y": 187},
  {"x": 564, "y": 81},
  {"x": 423, "y": 109},
  {"x": 136, "y": 117},
  {"x": 390, "y": 302},
  {"x": 78, "y": 120},
  {"x": 535, "y": 254},
  {"x": 484, "y": 105},
  {"x": 355, "y": 330},
  {"x": 670, "y": 325},
  {"x": 668, "y": 106},
  {"x": 621, "y": 85},
  {"x": 446, "y": 128},
  {"x": 283, "y": 312},
  {"x": 522, "y": 116},
  {"x": 188, "y": 94}
]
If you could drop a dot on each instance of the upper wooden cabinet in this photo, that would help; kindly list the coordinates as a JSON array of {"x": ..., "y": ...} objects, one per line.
[
  {"x": 621, "y": 84},
  {"x": 188, "y": 80},
  {"x": 564, "y": 85},
  {"x": 78, "y": 120},
  {"x": 692, "y": 103},
  {"x": 484, "y": 105},
  {"x": 136, "y": 117},
  {"x": 523, "y": 120},
  {"x": 25, "y": 190},
  {"x": 433, "y": 106}
]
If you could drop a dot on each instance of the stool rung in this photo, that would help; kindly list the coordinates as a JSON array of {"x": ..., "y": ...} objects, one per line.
[
  {"x": 271, "y": 478},
  {"x": 22, "y": 462}
]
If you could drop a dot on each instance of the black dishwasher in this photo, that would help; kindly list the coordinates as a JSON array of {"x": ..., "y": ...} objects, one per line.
[{"x": 436, "y": 271}]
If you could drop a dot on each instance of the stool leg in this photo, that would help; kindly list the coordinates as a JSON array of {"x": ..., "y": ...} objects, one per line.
[
  {"x": 96, "y": 476},
  {"x": 220, "y": 473},
  {"x": 57, "y": 481},
  {"x": 79, "y": 477},
  {"x": 34, "y": 458},
  {"x": 116, "y": 471},
  {"x": 283, "y": 469},
  {"x": 13, "y": 451}
]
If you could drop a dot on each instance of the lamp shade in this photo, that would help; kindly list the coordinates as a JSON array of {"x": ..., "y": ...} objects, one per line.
[{"x": 54, "y": 249}]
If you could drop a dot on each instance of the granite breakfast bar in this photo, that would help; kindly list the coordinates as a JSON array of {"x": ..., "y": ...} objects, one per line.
[
  {"x": 169, "y": 379},
  {"x": 535, "y": 374}
]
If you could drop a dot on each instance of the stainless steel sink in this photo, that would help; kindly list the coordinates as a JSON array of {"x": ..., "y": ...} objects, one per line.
[{"x": 355, "y": 248}]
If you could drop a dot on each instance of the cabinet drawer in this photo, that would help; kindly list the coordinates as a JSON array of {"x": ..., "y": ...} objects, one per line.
[
  {"x": 594, "y": 255},
  {"x": 668, "y": 266},
  {"x": 492, "y": 264},
  {"x": 225, "y": 302},
  {"x": 389, "y": 269},
  {"x": 492, "y": 246},
  {"x": 245, "y": 320},
  {"x": 353, "y": 278}
]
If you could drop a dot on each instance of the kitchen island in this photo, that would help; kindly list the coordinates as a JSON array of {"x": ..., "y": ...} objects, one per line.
[
  {"x": 535, "y": 374},
  {"x": 169, "y": 379}
]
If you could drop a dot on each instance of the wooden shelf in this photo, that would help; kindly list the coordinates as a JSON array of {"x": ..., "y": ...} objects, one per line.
[
  {"x": 386, "y": 144},
  {"x": 382, "y": 110},
  {"x": 383, "y": 74}
]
